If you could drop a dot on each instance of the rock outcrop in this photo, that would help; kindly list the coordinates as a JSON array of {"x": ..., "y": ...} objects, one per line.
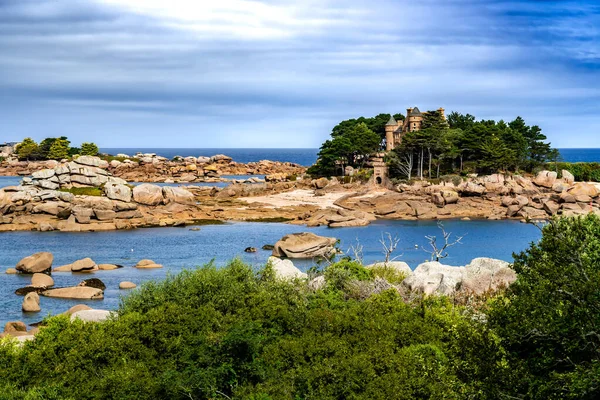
[
  {"x": 304, "y": 245},
  {"x": 127, "y": 285},
  {"x": 480, "y": 276},
  {"x": 42, "y": 281}
]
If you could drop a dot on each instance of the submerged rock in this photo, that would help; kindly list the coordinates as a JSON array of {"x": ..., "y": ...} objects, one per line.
[{"x": 147, "y": 264}]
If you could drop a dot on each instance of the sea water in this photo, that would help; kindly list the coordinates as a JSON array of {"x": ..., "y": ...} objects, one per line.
[{"x": 179, "y": 248}]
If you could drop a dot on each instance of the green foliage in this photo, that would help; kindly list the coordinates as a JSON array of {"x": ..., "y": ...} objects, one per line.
[
  {"x": 390, "y": 274},
  {"x": 550, "y": 317},
  {"x": 27, "y": 149},
  {"x": 59, "y": 149},
  {"x": 236, "y": 333},
  {"x": 350, "y": 145},
  {"x": 463, "y": 145},
  {"x": 583, "y": 172},
  {"x": 83, "y": 191},
  {"x": 89, "y": 149}
]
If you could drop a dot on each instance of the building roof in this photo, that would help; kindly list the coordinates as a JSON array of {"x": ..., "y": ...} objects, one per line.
[
  {"x": 415, "y": 112},
  {"x": 392, "y": 121}
]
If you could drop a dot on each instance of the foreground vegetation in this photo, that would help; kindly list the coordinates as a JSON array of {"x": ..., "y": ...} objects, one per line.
[{"x": 239, "y": 333}]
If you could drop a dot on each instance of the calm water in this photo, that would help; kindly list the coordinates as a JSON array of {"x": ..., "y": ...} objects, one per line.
[
  {"x": 179, "y": 248},
  {"x": 10, "y": 181},
  {"x": 304, "y": 157},
  {"x": 580, "y": 155}
]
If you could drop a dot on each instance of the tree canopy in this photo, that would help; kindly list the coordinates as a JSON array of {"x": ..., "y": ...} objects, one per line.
[{"x": 351, "y": 143}]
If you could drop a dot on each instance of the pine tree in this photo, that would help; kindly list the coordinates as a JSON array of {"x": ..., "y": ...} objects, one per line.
[{"x": 59, "y": 149}]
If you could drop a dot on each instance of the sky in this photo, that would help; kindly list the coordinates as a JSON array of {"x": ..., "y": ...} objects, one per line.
[{"x": 272, "y": 73}]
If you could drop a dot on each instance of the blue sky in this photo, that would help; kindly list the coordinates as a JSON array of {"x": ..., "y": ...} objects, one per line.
[{"x": 270, "y": 73}]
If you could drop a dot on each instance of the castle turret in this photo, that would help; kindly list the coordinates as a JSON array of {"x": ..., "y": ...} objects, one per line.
[{"x": 390, "y": 127}]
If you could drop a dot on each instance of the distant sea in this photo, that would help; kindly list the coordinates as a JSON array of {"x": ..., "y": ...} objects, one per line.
[{"x": 304, "y": 157}]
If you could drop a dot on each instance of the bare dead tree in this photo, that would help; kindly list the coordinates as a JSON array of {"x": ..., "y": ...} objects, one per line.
[
  {"x": 357, "y": 251},
  {"x": 436, "y": 252},
  {"x": 405, "y": 165},
  {"x": 389, "y": 244}
]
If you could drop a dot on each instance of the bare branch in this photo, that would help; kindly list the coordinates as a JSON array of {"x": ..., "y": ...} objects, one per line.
[
  {"x": 437, "y": 253},
  {"x": 389, "y": 244}
]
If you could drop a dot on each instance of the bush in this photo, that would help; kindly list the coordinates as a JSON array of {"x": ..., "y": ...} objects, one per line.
[
  {"x": 549, "y": 319},
  {"x": 581, "y": 171},
  {"x": 237, "y": 333},
  {"x": 392, "y": 275}
]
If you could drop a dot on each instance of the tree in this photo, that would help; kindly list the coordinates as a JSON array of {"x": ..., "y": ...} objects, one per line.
[
  {"x": 351, "y": 144},
  {"x": 27, "y": 149},
  {"x": 44, "y": 147},
  {"x": 549, "y": 319},
  {"x": 89, "y": 149},
  {"x": 59, "y": 149}
]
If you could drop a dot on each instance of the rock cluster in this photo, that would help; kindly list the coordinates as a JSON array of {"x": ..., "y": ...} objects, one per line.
[{"x": 480, "y": 276}]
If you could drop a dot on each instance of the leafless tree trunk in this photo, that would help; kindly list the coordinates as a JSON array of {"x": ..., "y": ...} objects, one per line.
[
  {"x": 438, "y": 253},
  {"x": 389, "y": 244},
  {"x": 406, "y": 164}
]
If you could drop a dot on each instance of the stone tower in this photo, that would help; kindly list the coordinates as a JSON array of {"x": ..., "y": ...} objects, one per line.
[{"x": 390, "y": 128}]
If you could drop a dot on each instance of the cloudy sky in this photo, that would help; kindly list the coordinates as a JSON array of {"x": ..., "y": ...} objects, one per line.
[{"x": 274, "y": 73}]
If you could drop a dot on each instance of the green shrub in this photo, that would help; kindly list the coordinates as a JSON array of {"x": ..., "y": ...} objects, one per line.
[
  {"x": 549, "y": 318},
  {"x": 581, "y": 171},
  {"x": 392, "y": 275},
  {"x": 238, "y": 333}
]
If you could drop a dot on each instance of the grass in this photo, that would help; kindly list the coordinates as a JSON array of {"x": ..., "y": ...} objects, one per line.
[{"x": 83, "y": 191}]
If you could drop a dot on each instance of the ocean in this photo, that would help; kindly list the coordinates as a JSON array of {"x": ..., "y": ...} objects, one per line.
[{"x": 305, "y": 157}]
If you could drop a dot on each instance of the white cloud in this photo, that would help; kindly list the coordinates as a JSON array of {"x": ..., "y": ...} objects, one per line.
[{"x": 240, "y": 19}]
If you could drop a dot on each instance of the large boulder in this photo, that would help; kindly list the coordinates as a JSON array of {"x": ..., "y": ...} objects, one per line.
[
  {"x": 568, "y": 177},
  {"x": 89, "y": 161},
  {"x": 31, "y": 302},
  {"x": 178, "y": 195},
  {"x": 77, "y": 292},
  {"x": 285, "y": 269},
  {"x": 304, "y": 245},
  {"x": 43, "y": 174},
  {"x": 118, "y": 192},
  {"x": 127, "y": 285},
  {"x": 78, "y": 307},
  {"x": 584, "y": 189},
  {"x": 435, "y": 278},
  {"x": 151, "y": 195},
  {"x": 15, "y": 328},
  {"x": 84, "y": 265},
  {"x": 91, "y": 315},
  {"x": 42, "y": 281},
  {"x": 487, "y": 274},
  {"x": 545, "y": 179},
  {"x": 36, "y": 263}
]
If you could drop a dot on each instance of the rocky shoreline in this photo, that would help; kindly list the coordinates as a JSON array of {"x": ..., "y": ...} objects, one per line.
[{"x": 84, "y": 195}]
